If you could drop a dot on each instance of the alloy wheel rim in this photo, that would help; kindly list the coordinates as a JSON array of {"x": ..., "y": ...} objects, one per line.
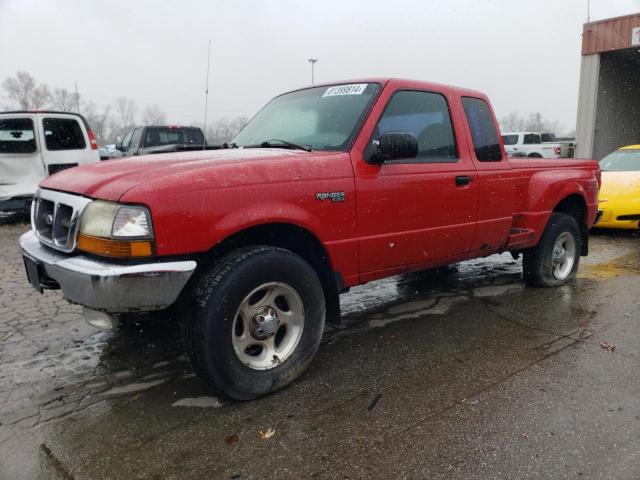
[
  {"x": 268, "y": 326},
  {"x": 563, "y": 256}
]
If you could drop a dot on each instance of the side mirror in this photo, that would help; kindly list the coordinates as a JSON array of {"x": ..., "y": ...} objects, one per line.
[
  {"x": 119, "y": 146},
  {"x": 395, "y": 146}
]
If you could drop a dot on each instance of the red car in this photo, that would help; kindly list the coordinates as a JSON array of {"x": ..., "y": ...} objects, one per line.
[{"x": 327, "y": 187}]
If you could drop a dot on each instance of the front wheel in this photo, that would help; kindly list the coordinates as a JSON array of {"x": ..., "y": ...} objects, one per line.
[
  {"x": 554, "y": 261},
  {"x": 256, "y": 322}
]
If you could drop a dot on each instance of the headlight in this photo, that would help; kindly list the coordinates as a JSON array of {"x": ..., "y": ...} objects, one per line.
[
  {"x": 113, "y": 230},
  {"x": 131, "y": 222}
]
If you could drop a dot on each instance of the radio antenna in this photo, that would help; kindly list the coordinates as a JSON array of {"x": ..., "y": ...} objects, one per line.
[{"x": 206, "y": 97}]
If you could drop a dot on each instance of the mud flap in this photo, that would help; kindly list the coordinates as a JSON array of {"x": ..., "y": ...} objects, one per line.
[{"x": 584, "y": 240}]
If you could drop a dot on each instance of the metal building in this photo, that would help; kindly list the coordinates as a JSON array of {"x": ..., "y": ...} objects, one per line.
[{"x": 609, "y": 95}]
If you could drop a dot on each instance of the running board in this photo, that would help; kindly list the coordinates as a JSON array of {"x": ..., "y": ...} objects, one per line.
[{"x": 518, "y": 236}]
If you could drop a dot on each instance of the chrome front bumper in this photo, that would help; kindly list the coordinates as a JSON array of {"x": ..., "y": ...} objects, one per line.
[{"x": 106, "y": 286}]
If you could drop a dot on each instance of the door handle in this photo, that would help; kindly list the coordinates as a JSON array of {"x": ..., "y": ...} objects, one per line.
[{"x": 462, "y": 180}]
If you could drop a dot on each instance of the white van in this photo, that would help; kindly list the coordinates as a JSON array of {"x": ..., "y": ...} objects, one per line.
[{"x": 34, "y": 145}]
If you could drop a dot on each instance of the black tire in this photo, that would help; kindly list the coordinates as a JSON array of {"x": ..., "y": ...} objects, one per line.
[
  {"x": 535, "y": 155},
  {"x": 538, "y": 261},
  {"x": 208, "y": 327}
]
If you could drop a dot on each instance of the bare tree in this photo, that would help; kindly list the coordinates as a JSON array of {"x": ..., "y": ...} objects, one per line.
[
  {"x": 153, "y": 115},
  {"x": 99, "y": 121},
  {"x": 535, "y": 123},
  {"x": 224, "y": 129},
  {"x": 126, "y": 112},
  {"x": 512, "y": 123},
  {"x": 549, "y": 126},
  {"x": 25, "y": 92},
  {"x": 64, "y": 100}
]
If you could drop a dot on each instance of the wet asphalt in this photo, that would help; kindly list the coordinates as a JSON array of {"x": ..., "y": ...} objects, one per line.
[{"x": 462, "y": 373}]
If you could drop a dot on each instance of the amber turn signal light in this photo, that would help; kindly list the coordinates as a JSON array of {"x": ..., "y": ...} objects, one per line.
[{"x": 115, "y": 248}]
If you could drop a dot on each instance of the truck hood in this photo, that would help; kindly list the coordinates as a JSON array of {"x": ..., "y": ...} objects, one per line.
[
  {"x": 620, "y": 186},
  {"x": 111, "y": 179}
]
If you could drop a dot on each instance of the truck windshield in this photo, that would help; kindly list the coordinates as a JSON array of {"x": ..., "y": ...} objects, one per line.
[
  {"x": 322, "y": 118},
  {"x": 16, "y": 136},
  {"x": 510, "y": 139},
  {"x": 156, "y": 137},
  {"x": 621, "y": 161}
]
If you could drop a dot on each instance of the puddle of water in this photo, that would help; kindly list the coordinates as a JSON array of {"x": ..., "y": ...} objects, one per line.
[
  {"x": 133, "y": 387},
  {"x": 433, "y": 308},
  {"x": 494, "y": 290}
]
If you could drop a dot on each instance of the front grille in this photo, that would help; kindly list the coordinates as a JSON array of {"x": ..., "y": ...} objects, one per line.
[
  {"x": 55, "y": 217},
  {"x": 58, "y": 167}
]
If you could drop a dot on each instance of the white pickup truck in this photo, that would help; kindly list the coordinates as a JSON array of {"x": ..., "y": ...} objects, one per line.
[
  {"x": 34, "y": 145},
  {"x": 531, "y": 144}
]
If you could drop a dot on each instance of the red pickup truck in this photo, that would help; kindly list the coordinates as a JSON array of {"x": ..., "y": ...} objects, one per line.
[{"x": 327, "y": 187}]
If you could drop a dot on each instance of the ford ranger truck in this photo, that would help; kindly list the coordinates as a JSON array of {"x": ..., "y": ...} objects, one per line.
[{"x": 327, "y": 187}]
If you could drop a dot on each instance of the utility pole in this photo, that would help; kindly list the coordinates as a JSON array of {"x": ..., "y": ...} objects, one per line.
[
  {"x": 588, "y": 11},
  {"x": 313, "y": 61},
  {"x": 206, "y": 97},
  {"x": 77, "y": 97}
]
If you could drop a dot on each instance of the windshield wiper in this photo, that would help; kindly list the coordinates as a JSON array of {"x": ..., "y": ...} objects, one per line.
[{"x": 285, "y": 143}]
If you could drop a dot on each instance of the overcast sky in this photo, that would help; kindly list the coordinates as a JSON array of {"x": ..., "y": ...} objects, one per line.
[{"x": 524, "y": 54}]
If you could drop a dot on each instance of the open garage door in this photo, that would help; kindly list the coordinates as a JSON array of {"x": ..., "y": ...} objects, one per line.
[{"x": 617, "y": 115}]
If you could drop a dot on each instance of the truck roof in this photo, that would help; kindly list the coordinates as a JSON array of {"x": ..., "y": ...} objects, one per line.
[
  {"x": 405, "y": 81},
  {"x": 57, "y": 112}
]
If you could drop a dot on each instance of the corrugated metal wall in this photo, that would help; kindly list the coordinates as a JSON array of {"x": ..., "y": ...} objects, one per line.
[
  {"x": 617, "y": 119},
  {"x": 610, "y": 34}
]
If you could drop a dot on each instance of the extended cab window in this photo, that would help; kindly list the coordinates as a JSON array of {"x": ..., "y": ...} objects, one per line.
[
  {"x": 63, "y": 134},
  {"x": 483, "y": 130},
  {"x": 510, "y": 139},
  {"x": 16, "y": 136},
  {"x": 426, "y": 115},
  {"x": 531, "y": 138}
]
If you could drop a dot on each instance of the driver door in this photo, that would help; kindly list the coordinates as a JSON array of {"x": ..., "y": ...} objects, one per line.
[{"x": 416, "y": 211}]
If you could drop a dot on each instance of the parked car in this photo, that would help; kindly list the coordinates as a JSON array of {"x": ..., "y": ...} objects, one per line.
[
  {"x": 107, "y": 152},
  {"x": 530, "y": 144},
  {"x": 620, "y": 192},
  {"x": 34, "y": 145},
  {"x": 161, "y": 139},
  {"x": 326, "y": 188}
]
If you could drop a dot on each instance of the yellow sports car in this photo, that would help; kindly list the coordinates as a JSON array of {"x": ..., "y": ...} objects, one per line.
[{"x": 620, "y": 190}]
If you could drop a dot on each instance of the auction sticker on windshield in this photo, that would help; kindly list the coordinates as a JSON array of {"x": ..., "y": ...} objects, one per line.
[{"x": 353, "y": 89}]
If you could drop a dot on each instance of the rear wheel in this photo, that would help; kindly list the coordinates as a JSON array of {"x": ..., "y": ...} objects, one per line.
[
  {"x": 535, "y": 155},
  {"x": 256, "y": 322},
  {"x": 554, "y": 261}
]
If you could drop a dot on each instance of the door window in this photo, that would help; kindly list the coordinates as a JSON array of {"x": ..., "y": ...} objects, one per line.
[
  {"x": 135, "y": 138},
  {"x": 63, "y": 134},
  {"x": 16, "y": 136},
  {"x": 126, "y": 142},
  {"x": 483, "y": 130},
  {"x": 426, "y": 115}
]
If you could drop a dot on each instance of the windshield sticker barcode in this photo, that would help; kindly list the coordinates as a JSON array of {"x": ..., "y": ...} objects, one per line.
[{"x": 353, "y": 89}]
